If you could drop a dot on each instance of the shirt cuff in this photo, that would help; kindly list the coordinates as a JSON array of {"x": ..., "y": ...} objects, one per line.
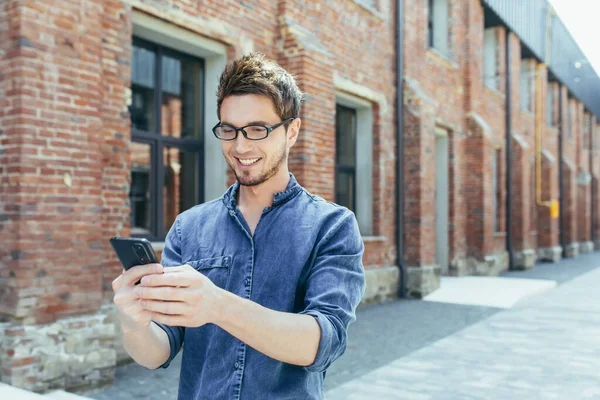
[
  {"x": 172, "y": 343},
  {"x": 324, "y": 356}
]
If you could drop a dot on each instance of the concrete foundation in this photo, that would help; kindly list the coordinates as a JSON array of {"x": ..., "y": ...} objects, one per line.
[
  {"x": 382, "y": 284},
  {"x": 525, "y": 259},
  {"x": 572, "y": 250},
  {"x": 423, "y": 280},
  {"x": 74, "y": 353},
  {"x": 491, "y": 265},
  {"x": 550, "y": 254},
  {"x": 586, "y": 247}
]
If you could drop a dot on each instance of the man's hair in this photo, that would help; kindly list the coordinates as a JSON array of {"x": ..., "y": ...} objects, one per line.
[{"x": 256, "y": 74}]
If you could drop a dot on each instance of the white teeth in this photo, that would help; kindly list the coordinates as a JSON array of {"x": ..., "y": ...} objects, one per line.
[{"x": 249, "y": 161}]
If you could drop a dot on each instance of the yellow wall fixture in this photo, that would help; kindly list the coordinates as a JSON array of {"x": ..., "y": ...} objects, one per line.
[{"x": 553, "y": 204}]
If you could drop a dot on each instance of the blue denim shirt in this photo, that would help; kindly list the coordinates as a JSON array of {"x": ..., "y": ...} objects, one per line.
[{"x": 305, "y": 257}]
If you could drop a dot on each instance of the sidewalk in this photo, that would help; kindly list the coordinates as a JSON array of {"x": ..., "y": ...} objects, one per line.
[
  {"x": 546, "y": 347},
  {"x": 395, "y": 336}
]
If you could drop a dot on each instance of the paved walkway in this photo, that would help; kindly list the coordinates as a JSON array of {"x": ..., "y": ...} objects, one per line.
[
  {"x": 450, "y": 351},
  {"x": 547, "y": 347}
]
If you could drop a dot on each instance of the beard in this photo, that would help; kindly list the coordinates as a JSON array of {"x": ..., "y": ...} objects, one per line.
[{"x": 247, "y": 179}]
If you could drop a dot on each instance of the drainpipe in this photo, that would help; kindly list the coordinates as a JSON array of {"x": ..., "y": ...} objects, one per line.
[
  {"x": 561, "y": 221},
  {"x": 400, "y": 147},
  {"x": 591, "y": 148},
  {"x": 538, "y": 144},
  {"x": 508, "y": 155}
]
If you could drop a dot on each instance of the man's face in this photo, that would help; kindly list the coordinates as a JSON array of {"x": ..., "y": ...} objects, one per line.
[{"x": 255, "y": 161}]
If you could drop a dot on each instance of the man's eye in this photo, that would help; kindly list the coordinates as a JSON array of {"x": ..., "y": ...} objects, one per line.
[
  {"x": 227, "y": 129},
  {"x": 256, "y": 129}
]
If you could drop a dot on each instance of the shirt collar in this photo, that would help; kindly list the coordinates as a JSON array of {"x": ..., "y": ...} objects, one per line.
[{"x": 292, "y": 189}]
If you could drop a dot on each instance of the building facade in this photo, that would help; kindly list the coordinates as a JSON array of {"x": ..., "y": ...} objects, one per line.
[{"x": 105, "y": 130}]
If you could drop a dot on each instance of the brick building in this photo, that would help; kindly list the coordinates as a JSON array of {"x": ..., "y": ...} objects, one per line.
[{"x": 105, "y": 117}]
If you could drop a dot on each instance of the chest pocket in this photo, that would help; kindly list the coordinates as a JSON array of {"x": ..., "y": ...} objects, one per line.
[{"x": 215, "y": 268}]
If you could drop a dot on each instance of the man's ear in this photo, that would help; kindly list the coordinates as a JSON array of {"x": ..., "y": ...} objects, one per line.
[{"x": 293, "y": 132}]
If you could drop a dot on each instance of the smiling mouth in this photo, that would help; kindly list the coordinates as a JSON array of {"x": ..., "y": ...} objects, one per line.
[{"x": 248, "y": 161}]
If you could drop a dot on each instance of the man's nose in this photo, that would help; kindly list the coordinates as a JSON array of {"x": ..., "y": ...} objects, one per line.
[{"x": 242, "y": 145}]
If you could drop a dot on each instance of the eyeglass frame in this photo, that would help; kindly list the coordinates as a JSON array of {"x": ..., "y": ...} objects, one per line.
[{"x": 269, "y": 128}]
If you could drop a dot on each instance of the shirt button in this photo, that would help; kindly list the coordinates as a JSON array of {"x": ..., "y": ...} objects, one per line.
[
  {"x": 237, "y": 365},
  {"x": 247, "y": 281}
]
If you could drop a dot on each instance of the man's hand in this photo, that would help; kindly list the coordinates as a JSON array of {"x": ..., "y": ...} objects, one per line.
[
  {"x": 131, "y": 312},
  {"x": 181, "y": 296}
]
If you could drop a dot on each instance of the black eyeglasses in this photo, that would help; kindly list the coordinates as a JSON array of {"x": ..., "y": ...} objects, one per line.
[{"x": 250, "y": 132}]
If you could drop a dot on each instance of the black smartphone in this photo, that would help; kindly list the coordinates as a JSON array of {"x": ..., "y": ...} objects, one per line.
[{"x": 133, "y": 251}]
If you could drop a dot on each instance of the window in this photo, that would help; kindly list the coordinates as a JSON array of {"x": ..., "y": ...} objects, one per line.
[
  {"x": 354, "y": 156},
  {"x": 438, "y": 26},
  {"x": 345, "y": 157},
  {"x": 550, "y": 105},
  {"x": 490, "y": 64},
  {"x": 497, "y": 189},
  {"x": 525, "y": 87},
  {"x": 167, "y": 149}
]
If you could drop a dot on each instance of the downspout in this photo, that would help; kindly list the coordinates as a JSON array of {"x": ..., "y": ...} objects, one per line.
[
  {"x": 400, "y": 147},
  {"x": 508, "y": 155},
  {"x": 552, "y": 204},
  {"x": 590, "y": 143},
  {"x": 561, "y": 221}
]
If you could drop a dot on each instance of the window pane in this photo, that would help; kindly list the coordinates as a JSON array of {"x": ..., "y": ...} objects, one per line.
[
  {"x": 440, "y": 25},
  {"x": 344, "y": 189},
  {"x": 142, "y": 89},
  {"x": 139, "y": 191},
  {"x": 525, "y": 87},
  {"x": 181, "y": 182},
  {"x": 489, "y": 58},
  {"x": 345, "y": 143},
  {"x": 181, "y": 97}
]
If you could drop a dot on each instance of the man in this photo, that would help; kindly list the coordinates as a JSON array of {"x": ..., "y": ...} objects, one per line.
[{"x": 260, "y": 284}]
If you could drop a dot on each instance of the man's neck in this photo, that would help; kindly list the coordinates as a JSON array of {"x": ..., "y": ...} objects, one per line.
[{"x": 261, "y": 196}]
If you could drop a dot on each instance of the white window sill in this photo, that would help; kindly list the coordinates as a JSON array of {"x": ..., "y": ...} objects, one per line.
[
  {"x": 495, "y": 91},
  {"x": 370, "y": 9},
  {"x": 158, "y": 246},
  {"x": 369, "y": 239},
  {"x": 444, "y": 59}
]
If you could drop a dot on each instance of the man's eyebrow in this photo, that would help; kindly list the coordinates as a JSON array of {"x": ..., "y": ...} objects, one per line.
[{"x": 249, "y": 123}]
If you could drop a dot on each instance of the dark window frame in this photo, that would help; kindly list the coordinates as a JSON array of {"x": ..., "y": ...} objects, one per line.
[
  {"x": 430, "y": 25},
  {"x": 158, "y": 142},
  {"x": 346, "y": 169}
]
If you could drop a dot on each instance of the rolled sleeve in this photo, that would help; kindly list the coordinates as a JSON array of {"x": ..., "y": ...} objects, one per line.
[
  {"x": 334, "y": 288},
  {"x": 171, "y": 256},
  {"x": 175, "y": 334}
]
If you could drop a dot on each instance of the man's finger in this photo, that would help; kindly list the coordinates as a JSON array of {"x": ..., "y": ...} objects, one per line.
[
  {"x": 165, "y": 293},
  {"x": 134, "y": 274},
  {"x": 165, "y": 307},
  {"x": 169, "y": 278},
  {"x": 171, "y": 320}
]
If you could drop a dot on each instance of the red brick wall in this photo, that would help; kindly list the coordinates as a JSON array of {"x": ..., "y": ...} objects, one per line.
[
  {"x": 54, "y": 116},
  {"x": 66, "y": 150},
  {"x": 10, "y": 154},
  {"x": 65, "y": 81}
]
